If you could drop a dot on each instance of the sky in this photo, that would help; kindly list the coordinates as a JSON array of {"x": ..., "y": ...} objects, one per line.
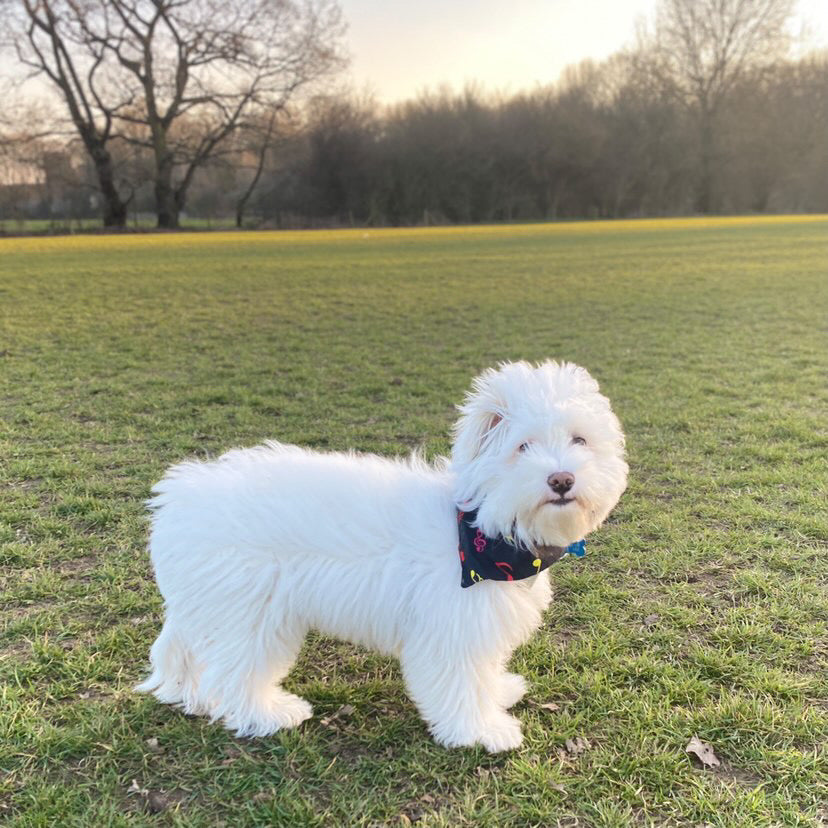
[{"x": 399, "y": 49}]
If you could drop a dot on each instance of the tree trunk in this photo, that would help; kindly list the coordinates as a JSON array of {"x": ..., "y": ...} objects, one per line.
[
  {"x": 166, "y": 204},
  {"x": 241, "y": 204},
  {"x": 114, "y": 207},
  {"x": 165, "y": 209},
  {"x": 114, "y": 215}
]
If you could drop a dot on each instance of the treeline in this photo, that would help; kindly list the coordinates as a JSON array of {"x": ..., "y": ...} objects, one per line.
[
  {"x": 607, "y": 141},
  {"x": 603, "y": 143}
]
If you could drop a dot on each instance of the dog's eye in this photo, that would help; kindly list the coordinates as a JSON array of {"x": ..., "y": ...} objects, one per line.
[
  {"x": 578, "y": 441},
  {"x": 522, "y": 447}
]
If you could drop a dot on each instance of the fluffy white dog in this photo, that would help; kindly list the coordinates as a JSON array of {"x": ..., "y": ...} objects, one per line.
[{"x": 256, "y": 548}]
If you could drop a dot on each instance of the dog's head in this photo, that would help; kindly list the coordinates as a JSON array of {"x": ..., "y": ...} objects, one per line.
[{"x": 538, "y": 451}]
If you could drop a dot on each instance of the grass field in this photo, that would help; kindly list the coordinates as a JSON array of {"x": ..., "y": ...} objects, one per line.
[{"x": 701, "y": 608}]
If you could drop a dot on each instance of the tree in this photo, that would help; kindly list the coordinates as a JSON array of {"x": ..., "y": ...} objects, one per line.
[
  {"x": 174, "y": 77},
  {"x": 701, "y": 48},
  {"x": 342, "y": 161},
  {"x": 257, "y": 140},
  {"x": 48, "y": 46}
]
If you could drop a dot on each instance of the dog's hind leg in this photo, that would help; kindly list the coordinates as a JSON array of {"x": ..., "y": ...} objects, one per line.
[
  {"x": 173, "y": 679},
  {"x": 247, "y": 644},
  {"x": 511, "y": 688}
]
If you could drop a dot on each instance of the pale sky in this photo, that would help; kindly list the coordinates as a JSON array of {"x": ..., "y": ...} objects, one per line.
[{"x": 401, "y": 48}]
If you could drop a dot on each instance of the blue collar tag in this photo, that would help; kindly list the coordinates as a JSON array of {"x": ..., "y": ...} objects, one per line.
[{"x": 577, "y": 549}]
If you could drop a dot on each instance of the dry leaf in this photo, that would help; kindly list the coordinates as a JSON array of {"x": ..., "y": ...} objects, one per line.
[
  {"x": 577, "y": 745},
  {"x": 345, "y": 710},
  {"x": 135, "y": 788},
  {"x": 703, "y": 752},
  {"x": 153, "y": 746},
  {"x": 263, "y": 796},
  {"x": 232, "y": 753},
  {"x": 551, "y": 707},
  {"x": 154, "y": 801}
]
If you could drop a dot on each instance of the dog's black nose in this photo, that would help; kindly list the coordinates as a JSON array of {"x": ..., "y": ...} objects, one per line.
[{"x": 561, "y": 482}]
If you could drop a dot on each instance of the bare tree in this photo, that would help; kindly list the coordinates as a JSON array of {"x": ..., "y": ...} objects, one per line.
[
  {"x": 259, "y": 138},
  {"x": 701, "y": 48},
  {"x": 176, "y": 77},
  {"x": 49, "y": 43}
]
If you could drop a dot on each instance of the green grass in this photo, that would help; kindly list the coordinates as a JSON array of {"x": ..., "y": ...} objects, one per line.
[{"x": 121, "y": 355}]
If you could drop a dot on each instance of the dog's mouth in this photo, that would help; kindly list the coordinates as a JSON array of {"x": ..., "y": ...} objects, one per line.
[{"x": 561, "y": 501}]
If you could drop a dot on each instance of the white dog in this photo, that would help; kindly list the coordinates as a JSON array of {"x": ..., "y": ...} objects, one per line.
[{"x": 256, "y": 548}]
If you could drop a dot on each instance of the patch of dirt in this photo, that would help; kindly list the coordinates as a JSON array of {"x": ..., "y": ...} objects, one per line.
[
  {"x": 559, "y": 636},
  {"x": 73, "y": 566},
  {"x": 730, "y": 774},
  {"x": 414, "y": 810},
  {"x": 25, "y": 610},
  {"x": 17, "y": 649}
]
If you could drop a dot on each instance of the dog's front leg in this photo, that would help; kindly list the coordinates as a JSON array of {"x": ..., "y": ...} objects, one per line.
[{"x": 462, "y": 698}]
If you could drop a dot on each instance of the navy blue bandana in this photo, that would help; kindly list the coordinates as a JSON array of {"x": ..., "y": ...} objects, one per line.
[{"x": 502, "y": 559}]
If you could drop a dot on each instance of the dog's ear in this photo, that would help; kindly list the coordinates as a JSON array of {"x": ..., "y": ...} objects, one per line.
[{"x": 480, "y": 422}]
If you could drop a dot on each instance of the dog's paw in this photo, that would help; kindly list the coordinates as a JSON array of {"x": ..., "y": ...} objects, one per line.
[
  {"x": 292, "y": 710},
  {"x": 284, "y": 711},
  {"x": 512, "y": 689},
  {"x": 501, "y": 734}
]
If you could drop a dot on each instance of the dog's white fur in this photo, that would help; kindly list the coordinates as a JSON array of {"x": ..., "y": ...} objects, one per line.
[{"x": 254, "y": 549}]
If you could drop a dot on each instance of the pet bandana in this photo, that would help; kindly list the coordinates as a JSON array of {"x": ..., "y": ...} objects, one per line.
[{"x": 502, "y": 559}]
